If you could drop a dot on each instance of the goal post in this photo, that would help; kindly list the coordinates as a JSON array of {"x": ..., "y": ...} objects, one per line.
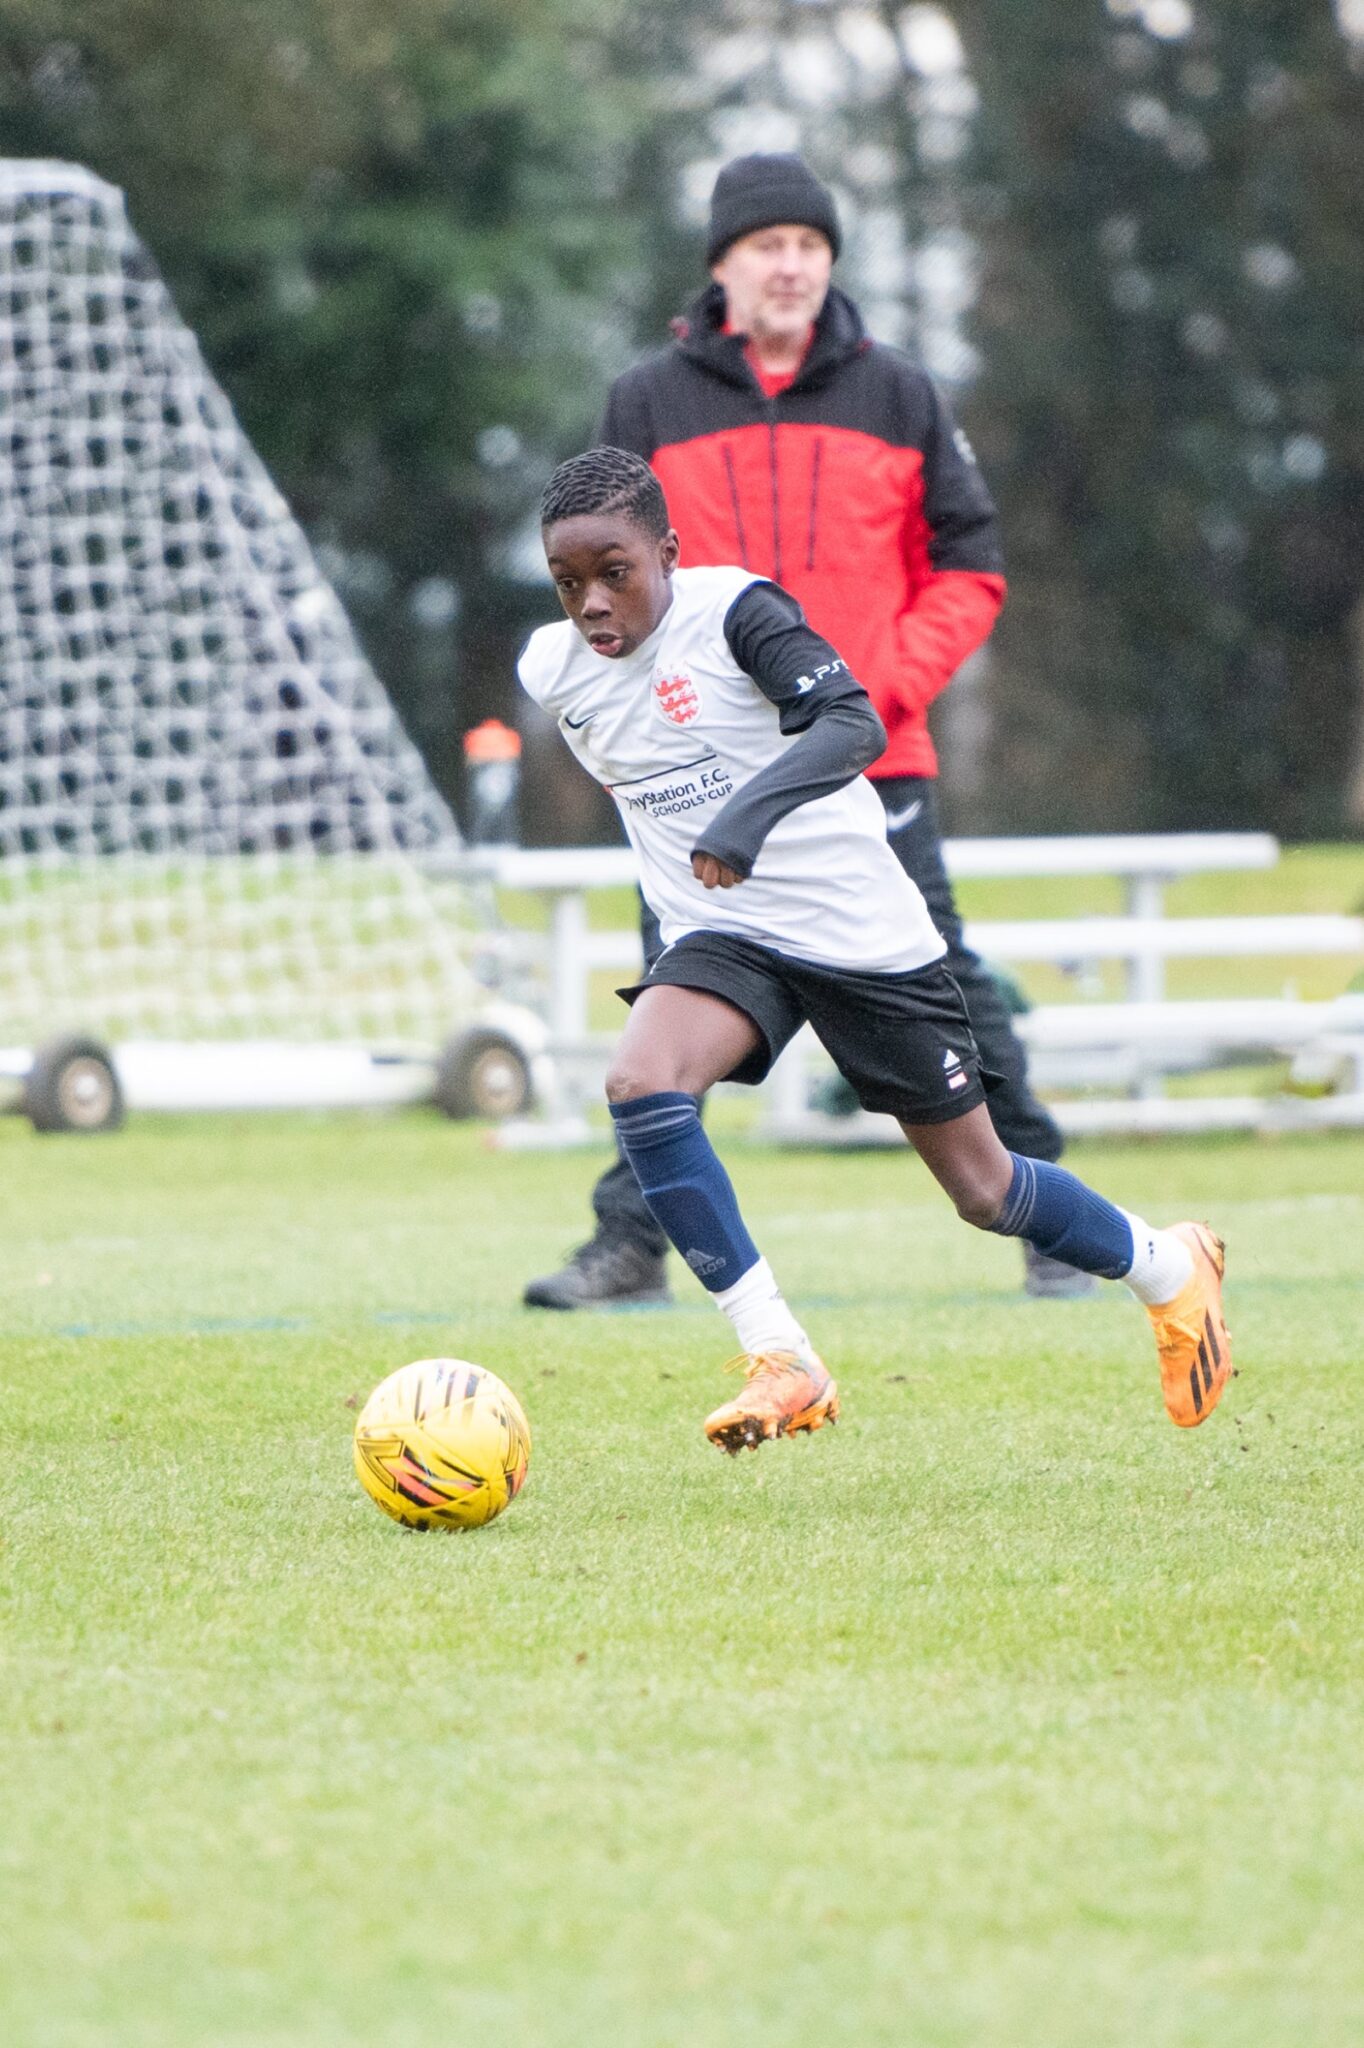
[{"x": 212, "y": 824}]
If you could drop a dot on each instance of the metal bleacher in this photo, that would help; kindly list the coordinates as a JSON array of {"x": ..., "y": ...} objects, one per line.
[{"x": 1104, "y": 1063}]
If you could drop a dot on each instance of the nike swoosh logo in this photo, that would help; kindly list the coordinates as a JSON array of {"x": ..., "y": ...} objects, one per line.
[
  {"x": 577, "y": 724},
  {"x": 897, "y": 820}
]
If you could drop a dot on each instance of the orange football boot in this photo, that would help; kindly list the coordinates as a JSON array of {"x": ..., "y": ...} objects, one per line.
[
  {"x": 784, "y": 1392},
  {"x": 1193, "y": 1341}
]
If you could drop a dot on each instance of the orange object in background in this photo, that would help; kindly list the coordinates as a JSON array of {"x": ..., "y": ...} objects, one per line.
[
  {"x": 492, "y": 741},
  {"x": 492, "y": 766}
]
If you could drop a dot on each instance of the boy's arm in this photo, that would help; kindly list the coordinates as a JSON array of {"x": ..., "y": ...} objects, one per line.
[{"x": 817, "y": 697}]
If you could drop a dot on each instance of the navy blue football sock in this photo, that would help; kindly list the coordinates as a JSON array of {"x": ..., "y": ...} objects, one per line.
[
  {"x": 1063, "y": 1218},
  {"x": 685, "y": 1186}
]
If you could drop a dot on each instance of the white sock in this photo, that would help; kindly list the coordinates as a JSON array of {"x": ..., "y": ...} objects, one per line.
[
  {"x": 1162, "y": 1263},
  {"x": 761, "y": 1319}
]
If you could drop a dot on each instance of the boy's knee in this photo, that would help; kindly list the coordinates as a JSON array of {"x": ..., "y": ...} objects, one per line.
[
  {"x": 621, "y": 1085},
  {"x": 626, "y": 1081},
  {"x": 979, "y": 1206},
  {"x": 980, "y": 1194}
]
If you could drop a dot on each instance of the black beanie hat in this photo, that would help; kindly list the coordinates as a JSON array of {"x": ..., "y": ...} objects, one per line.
[{"x": 764, "y": 192}]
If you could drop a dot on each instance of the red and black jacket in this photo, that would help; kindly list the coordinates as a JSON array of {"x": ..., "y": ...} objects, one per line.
[{"x": 852, "y": 488}]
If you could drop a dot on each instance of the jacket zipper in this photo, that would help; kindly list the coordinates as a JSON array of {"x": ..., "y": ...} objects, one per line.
[
  {"x": 814, "y": 501},
  {"x": 734, "y": 505},
  {"x": 776, "y": 492}
]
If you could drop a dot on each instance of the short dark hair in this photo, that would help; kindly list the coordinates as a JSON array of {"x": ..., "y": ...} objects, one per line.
[{"x": 606, "y": 480}]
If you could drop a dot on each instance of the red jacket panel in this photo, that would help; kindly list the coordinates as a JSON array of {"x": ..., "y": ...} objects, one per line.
[{"x": 852, "y": 489}]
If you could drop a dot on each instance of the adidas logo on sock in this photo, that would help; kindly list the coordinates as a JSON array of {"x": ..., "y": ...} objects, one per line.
[{"x": 703, "y": 1263}]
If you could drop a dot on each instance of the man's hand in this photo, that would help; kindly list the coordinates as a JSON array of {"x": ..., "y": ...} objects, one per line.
[{"x": 712, "y": 873}]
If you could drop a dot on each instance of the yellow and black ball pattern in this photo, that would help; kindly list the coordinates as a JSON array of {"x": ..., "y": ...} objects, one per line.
[{"x": 442, "y": 1444}]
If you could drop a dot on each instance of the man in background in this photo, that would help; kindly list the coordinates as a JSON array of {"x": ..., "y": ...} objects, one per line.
[{"x": 790, "y": 443}]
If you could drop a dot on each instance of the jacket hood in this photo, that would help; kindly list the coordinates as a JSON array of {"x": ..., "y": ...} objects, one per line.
[{"x": 699, "y": 334}]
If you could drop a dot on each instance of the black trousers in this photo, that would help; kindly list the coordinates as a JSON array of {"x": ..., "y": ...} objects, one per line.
[{"x": 1022, "y": 1122}]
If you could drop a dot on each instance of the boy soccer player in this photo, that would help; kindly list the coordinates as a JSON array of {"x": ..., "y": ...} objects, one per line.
[{"x": 732, "y": 739}]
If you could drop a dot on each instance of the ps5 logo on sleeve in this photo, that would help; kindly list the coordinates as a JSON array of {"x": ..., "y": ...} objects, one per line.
[{"x": 804, "y": 684}]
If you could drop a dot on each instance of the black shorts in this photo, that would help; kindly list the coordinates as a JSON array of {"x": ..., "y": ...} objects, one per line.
[{"x": 901, "y": 1041}]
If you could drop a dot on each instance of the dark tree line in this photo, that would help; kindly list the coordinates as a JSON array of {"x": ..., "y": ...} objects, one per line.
[{"x": 1174, "y": 341}]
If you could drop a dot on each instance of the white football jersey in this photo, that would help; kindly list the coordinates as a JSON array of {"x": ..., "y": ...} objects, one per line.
[{"x": 672, "y": 731}]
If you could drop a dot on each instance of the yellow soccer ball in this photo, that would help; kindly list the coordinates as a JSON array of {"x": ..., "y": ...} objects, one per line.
[{"x": 442, "y": 1444}]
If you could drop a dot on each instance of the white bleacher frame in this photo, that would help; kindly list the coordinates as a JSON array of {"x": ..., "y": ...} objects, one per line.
[{"x": 1125, "y": 1047}]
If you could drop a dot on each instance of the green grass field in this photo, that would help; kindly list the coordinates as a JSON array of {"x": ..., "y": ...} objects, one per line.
[{"x": 1003, "y": 1716}]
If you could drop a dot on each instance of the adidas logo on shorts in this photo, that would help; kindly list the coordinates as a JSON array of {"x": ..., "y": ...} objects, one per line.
[{"x": 952, "y": 1067}]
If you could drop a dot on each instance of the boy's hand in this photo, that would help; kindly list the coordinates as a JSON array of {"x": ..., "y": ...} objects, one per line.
[{"x": 712, "y": 873}]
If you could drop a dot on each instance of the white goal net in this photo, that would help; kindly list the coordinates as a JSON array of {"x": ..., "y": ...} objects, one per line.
[{"x": 211, "y": 822}]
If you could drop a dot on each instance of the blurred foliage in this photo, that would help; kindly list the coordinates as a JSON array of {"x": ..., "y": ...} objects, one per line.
[
  {"x": 1173, "y": 338},
  {"x": 417, "y": 242},
  {"x": 398, "y": 234}
]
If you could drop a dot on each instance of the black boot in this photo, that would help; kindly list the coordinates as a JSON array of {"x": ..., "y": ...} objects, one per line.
[{"x": 606, "y": 1272}]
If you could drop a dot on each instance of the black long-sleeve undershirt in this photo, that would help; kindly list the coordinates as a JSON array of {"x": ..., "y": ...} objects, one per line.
[{"x": 817, "y": 697}]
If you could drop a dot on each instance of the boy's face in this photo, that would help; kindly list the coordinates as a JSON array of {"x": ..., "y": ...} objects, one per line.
[{"x": 614, "y": 580}]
